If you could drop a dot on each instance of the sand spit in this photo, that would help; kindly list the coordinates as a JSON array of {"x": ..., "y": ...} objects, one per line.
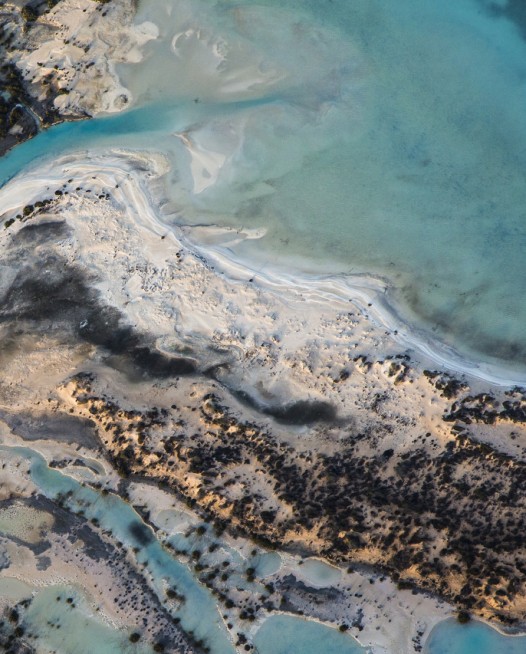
[
  {"x": 59, "y": 62},
  {"x": 284, "y": 412}
]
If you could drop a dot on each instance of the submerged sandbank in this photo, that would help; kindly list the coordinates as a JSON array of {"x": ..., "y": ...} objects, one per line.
[
  {"x": 247, "y": 129},
  {"x": 290, "y": 406}
]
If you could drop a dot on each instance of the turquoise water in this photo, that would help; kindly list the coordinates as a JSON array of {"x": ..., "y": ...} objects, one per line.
[
  {"x": 57, "y": 625},
  {"x": 319, "y": 573},
  {"x": 266, "y": 564},
  {"x": 401, "y": 150},
  {"x": 450, "y": 637},
  {"x": 365, "y": 135},
  {"x": 284, "y": 634},
  {"x": 198, "y": 613},
  {"x": 71, "y": 628},
  {"x": 133, "y": 129}
]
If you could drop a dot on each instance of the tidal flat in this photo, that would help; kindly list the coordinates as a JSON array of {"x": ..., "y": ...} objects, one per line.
[{"x": 261, "y": 340}]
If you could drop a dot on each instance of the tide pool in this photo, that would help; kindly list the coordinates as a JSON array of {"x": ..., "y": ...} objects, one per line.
[
  {"x": 285, "y": 634},
  {"x": 62, "y": 621},
  {"x": 363, "y": 135},
  {"x": 450, "y": 637},
  {"x": 319, "y": 573},
  {"x": 198, "y": 613}
]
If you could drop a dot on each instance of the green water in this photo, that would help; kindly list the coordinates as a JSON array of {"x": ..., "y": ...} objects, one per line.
[
  {"x": 396, "y": 144},
  {"x": 61, "y": 619},
  {"x": 72, "y": 627},
  {"x": 365, "y": 136}
]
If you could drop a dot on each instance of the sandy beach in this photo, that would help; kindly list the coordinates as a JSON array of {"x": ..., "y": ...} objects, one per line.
[
  {"x": 305, "y": 364},
  {"x": 59, "y": 62},
  {"x": 243, "y": 411}
]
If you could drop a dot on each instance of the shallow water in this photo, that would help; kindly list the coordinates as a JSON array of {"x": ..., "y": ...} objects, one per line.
[
  {"x": 450, "y": 637},
  {"x": 55, "y": 624},
  {"x": 319, "y": 573},
  {"x": 198, "y": 613},
  {"x": 285, "y": 634},
  {"x": 364, "y": 135},
  {"x": 395, "y": 142},
  {"x": 266, "y": 564},
  {"x": 71, "y": 627}
]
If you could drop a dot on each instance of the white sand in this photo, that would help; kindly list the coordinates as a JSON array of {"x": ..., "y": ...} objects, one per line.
[
  {"x": 79, "y": 43},
  {"x": 286, "y": 337}
]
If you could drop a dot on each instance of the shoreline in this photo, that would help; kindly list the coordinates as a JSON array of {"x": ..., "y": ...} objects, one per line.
[
  {"x": 223, "y": 347},
  {"x": 59, "y": 63},
  {"x": 368, "y": 292},
  {"x": 161, "y": 272},
  {"x": 361, "y": 289}
]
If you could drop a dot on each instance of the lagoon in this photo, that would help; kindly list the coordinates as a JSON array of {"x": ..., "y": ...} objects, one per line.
[
  {"x": 285, "y": 634},
  {"x": 364, "y": 137},
  {"x": 450, "y": 637}
]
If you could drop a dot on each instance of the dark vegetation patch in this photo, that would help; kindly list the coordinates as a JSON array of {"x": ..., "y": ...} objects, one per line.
[
  {"x": 56, "y": 426},
  {"x": 487, "y": 409},
  {"x": 13, "y": 633},
  {"x": 323, "y": 603},
  {"x": 298, "y": 593},
  {"x": 29, "y": 212},
  {"x": 41, "y": 233},
  {"x": 448, "y": 386},
  {"x": 26, "y": 107},
  {"x": 160, "y": 366},
  {"x": 427, "y": 519},
  {"x": 20, "y": 106},
  {"x": 303, "y": 412},
  {"x": 141, "y": 533}
]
